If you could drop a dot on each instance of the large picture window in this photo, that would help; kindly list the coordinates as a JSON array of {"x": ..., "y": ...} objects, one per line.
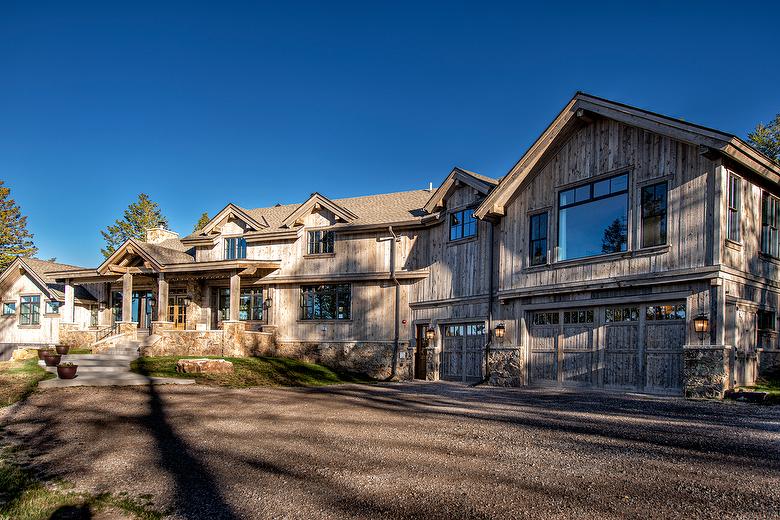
[
  {"x": 235, "y": 248},
  {"x": 592, "y": 218},
  {"x": 326, "y": 302},
  {"x": 320, "y": 242},
  {"x": 250, "y": 306},
  {"x": 734, "y": 208},
  {"x": 462, "y": 224},
  {"x": 770, "y": 219},
  {"x": 30, "y": 310},
  {"x": 654, "y": 211},
  {"x": 538, "y": 241}
]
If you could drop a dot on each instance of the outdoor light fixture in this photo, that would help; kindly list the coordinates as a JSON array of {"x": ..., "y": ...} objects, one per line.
[
  {"x": 268, "y": 302},
  {"x": 102, "y": 306},
  {"x": 430, "y": 333},
  {"x": 500, "y": 330},
  {"x": 701, "y": 324}
]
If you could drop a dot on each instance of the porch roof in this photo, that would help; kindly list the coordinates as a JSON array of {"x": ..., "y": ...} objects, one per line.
[{"x": 245, "y": 267}]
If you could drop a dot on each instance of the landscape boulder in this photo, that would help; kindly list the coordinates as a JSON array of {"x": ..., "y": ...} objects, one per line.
[{"x": 204, "y": 366}]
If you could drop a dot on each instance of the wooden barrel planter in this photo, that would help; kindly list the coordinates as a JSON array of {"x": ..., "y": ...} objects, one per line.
[{"x": 67, "y": 370}]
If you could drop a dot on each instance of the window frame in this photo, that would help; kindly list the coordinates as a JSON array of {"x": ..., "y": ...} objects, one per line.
[
  {"x": 462, "y": 225},
  {"x": 772, "y": 316},
  {"x": 236, "y": 251},
  {"x": 337, "y": 291},
  {"x": 5, "y": 305},
  {"x": 545, "y": 259},
  {"x": 47, "y": 309},
  {"x": 772, "y": 229},
  {"x": 734, "y": 210},
  {"x": 592, "y": 198},
  {"x": 323, "y": 239},
  {"x": 642, "y": 216},
  {"x": 256, "y": 302},
  {"x": 34, "y": 313}
]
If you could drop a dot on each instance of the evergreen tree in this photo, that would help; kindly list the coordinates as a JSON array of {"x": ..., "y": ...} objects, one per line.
[
  {"x": 614, "y": 237},
  {"x": 138, "y": 217},
  {"x": 202, "y": 221},
  {"x": 15, "y": 240},
  {"x": 766, "y": 139}
]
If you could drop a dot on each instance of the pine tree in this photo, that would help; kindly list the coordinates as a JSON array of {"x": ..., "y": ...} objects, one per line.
[
  {"x": 202, "y": 221},
  {"x": 614, "y": 237},
  {"x": 15, "y": 240},
  {"x": 138, "y": 217},
  {"x": 766, "y": 139}
]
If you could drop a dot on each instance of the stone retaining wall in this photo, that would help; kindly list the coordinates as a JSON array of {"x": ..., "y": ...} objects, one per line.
[
  {"x": 372, "y": 359},
  {"x": 768, "y": 361},
  {"x": 71, "y": 336},
  {"x": 230, "y": 342},
  {"x": 706, "y": 370}
]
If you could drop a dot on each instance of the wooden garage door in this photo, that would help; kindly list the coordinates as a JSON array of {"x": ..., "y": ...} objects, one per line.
[
  {"x": 625, "y": 348},
  {"x": 463, "y": 352}
]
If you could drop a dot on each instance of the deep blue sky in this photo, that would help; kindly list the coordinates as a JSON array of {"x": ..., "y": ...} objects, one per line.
[{"x": 204, "y": 103}]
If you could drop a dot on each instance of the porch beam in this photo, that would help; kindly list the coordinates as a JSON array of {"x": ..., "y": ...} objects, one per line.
[
  {"x": 127, "y": 297},
  {"x": 235, "y": 295}
]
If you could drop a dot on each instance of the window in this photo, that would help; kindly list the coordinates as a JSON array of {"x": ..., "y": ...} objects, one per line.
[
  {"x": 592, "y": 218},
  {"x": 93, "y": 315},
  {"x": 235, "y": 248},
  {"x": 116, "y": 306},
  {"x": 462, "y": 224},
  {"x": 538, "y": 243},
  {"x": 572, "y": 317},
  {"x": 545, "y": 318},
  {"x": 326, "y": 302},
  {"x": 320, "y": 242},
  {"x": 250, "y": 306},
  {"x": 616, "y": 314},
  {"x": 472, "y": 329},
  {"x": 9, "y": 308},
  {"x": 735, "y": 205},
  {"x": 30, "y": 310},
  {"x": 770, "y": 220},
  {"x": 223, "y": 304},
  {"x": 52, "y": 307},
  {"x": 654, "y": 215},
  {"x": 766, "y": 320},
  {"x": 665, "y": 312}
]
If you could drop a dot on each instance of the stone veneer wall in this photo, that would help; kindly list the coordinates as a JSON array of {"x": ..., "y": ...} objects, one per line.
[
  {"x": 504, "y": 367},
  {"x": 72, "y": 336},
  {"x": 230, "y": 342},
  {"x": 372, "y": 359},
  {"x": 768, "y": 361},
  {"x": 706, "y": 370}
]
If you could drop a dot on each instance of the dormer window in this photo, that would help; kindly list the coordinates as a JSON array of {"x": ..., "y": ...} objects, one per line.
[
  {"x": 320, "y": 242},
  {"x": 235, "y": 248},
  {"x": 462, "y": 224}
]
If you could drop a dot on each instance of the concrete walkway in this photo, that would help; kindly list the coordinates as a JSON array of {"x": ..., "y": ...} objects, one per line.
[{"x": 109, "y": 369}]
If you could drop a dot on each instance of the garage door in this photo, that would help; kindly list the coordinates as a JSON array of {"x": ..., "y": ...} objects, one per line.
[
  {"x": 462, "y": 352},
  {"x": 625, "y": 348}
]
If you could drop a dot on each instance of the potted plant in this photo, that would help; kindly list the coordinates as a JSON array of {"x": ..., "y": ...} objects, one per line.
[
  {"x": 43, "y": 352},
  {"x": 62, "y": 349},
  {"x": 66, "y": 370},
  {"x": 51, "y": 359}
]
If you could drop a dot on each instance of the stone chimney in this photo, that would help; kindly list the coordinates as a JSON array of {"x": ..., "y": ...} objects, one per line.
[{"x": 159, "y": 234}]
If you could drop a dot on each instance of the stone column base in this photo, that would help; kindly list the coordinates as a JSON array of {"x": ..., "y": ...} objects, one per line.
[
  {"x": 504, "y": 366},
  {"x": 706, "y": 370},
  {"x": 128, "y": 328},
  {"x": 158, "y": 326}
]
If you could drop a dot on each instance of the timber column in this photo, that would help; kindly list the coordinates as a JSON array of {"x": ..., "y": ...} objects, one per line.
[
  {"x": 233, "y": 329},
  {"x": 127, "y": 325},
  {"x": 162, "y": 322}
]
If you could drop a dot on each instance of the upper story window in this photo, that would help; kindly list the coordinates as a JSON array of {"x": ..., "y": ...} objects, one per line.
[
  {"x": 326, "y": 302},
  {"x": 537, "y": 250},
  {"x": 320, "y": 242},
  {"x": 462, "y": 224},
  {"x": 734, "y": 208},
  {"x": 30, "y": 310},
  {"x": 52, "y": 307},
  {"x": 654, "y": 212},
  {"x": 235, "y": 248},
  {"x": 9, "y": 308},
  {"x": 592, "y": 218},
  {"x": 770, "y": 219},
  {"x": 766, "y": 320}
]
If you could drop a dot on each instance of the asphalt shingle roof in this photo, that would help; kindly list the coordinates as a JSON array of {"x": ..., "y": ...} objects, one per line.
[{"x": 43, "y": 267}]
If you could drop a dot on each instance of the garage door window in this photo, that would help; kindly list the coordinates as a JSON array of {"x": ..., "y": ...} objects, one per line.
[
  {"x": 584, "y": 316},
  {"x": 616, "y": 314},
  {"x": 545, "y": 318},
  {"x": 474, "y": 329},
  {"x": 665, "y": 312}
]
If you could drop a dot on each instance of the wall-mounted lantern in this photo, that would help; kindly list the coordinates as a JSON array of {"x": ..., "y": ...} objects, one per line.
[
  {"x": 500, "y": 330},
  {"x": 187, "y": 300},
  {"x": 102, "y": 306},
  {"x": 430, "y": 333},
  {"x": 268, "y": 302},
  {"x": 701, "y": 324}
]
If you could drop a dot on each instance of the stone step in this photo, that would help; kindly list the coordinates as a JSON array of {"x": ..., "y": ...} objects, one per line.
[
  {"x": 95, "y": 369},
  {"x": 78, "y": 358},
  {"x": 106, "y": 362},
  {"x": 126, "y": 379}
]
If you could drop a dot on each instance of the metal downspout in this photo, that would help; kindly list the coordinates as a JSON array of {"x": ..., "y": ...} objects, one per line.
[{"x": 397, "y": 309}]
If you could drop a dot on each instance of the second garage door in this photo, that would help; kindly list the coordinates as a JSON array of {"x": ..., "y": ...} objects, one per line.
[
  {"x": 463, "y": 352},
  {"x": 633, "y": 347}
]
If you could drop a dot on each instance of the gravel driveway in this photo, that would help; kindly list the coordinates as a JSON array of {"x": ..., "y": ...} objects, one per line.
[{"x": 427, "y": 450}]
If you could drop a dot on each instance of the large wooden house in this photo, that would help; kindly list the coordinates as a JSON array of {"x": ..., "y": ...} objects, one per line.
[{"x": 625, "y": 250}]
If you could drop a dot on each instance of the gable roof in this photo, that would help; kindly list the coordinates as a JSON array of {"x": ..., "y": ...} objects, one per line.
[
  {"x": 582, "y": 105},
  {"x": 155, "y": 254},
  {"x": 453, "y": 181},
  {"x": 314, "y": 202},
  {"x": 226, "y": 212},
  {"x": 39, "y": 271}
]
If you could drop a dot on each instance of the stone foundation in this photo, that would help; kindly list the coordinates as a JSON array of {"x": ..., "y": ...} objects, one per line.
[
  {"x": 432, "y": 360},
  {"x": 372, "y": 359},
  {"x": 72, "y": 336},
  {"x": 768, "y": 361},
  {"x": 129, "y": 329},
  {"x": 230, "y": 342},
  {"x": 504, "y": 367},
  {"x": 706, "y": 370}
]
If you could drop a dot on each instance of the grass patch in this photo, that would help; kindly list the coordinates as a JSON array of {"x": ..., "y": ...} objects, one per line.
[
  {"x": 253, "y": 371},
  {"x": 771, "y": 385},
  {"x": 18, "y": 379},
  {"x": 23, "y": 497}
]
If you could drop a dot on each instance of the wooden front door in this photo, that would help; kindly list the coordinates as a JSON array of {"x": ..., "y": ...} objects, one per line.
[
  {"x": 177, "y": 311},
  {"x": 420, "y": 353}
]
